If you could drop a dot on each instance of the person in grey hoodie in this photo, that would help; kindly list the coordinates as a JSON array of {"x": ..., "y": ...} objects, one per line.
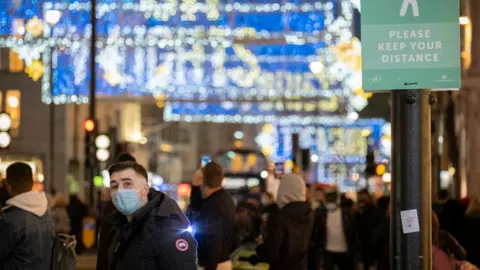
[
  {"x": 26, "y": 227},
  {"x": 284, "y": 245}
]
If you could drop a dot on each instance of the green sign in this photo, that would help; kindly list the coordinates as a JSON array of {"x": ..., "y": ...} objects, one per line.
[{"x": 410, "y": 44}]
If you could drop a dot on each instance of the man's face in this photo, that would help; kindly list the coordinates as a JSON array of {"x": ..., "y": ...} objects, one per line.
[
  {"x": 309, "y": 194},
  {"x": 129, "y": 179},
  {"x": 363, "y": 199},
  {"x": 319, "y": 196}
]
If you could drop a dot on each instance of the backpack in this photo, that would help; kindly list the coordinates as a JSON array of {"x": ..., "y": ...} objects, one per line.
[{"x": 64, "y": 256}]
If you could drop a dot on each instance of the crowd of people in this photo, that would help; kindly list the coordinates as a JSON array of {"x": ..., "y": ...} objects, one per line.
[{"x": 300, "y": 227}]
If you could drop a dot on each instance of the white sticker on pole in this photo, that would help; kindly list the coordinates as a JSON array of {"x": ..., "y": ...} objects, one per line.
[{"x": 410, "y": 221}]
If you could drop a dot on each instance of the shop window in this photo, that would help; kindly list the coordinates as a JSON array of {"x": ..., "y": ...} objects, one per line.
[{"x": 15, "y": 63}]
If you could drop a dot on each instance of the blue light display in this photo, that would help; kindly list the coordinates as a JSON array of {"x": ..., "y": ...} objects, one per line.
[
  {"x": 128, "y": 25},
  {"x": 242, "y": 54},
  {"x": 341, "y": 148}
]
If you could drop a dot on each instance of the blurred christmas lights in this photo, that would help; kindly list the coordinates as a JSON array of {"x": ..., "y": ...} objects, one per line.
[{"x": 203, "y": 56}]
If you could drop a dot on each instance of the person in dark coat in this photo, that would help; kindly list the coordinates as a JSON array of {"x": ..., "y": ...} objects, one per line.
[
  {"x": 4, "y": 196},
  {"x": 450, "y": 213},
  {"x": 380, "y": 244},
  {"x": 248, "y": 223},
  {"x": 367, "y": 219},
  {"x": 286, "y": 241},
  {"x": 445, "y": 242},
  {"x": 269, "y": 207},
  {"x": 471, "y": 232},
  {"x": 26, "y": 227},
  {"x": 214, "y": 225},
  {"x": 335, "y": 235},
  {"x": 106, "y": 227},
  {"x": 77, "y": 210},
  {"x": 147, "y": 234}
]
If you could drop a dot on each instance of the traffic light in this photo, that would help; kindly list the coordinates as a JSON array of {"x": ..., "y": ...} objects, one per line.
[
  {"x": 89, "y": 125},
  {"x": 90, "y": 148},
  {"x": 372, "y": 168},
  {"x": 380, "y": 169},
  {"x": 370, "y": 165},
  {"x": 102, "y": 143},
  {"x": 306, "y": 157}
]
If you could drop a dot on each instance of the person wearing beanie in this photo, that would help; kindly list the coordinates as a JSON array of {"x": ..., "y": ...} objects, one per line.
[
  {"x": 105, "y": 227},
  {"x": 285, "y": 244}
]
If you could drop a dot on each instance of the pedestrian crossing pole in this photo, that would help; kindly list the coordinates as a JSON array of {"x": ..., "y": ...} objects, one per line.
[
  {"x": 411, "y": 213},
  {"x": 90, "y": 167},
  {"x": 409, "y": 46}
]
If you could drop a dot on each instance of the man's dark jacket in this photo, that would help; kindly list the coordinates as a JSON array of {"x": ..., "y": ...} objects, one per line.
[
  {"x": 319, "y": 235},
  {"x": 26, "y": 233},
  {"x": 367, "y": 219},
  {"x": 155, "y": 238},
  {"x": 214, "y": 227},
  {"x": 103, "y": 238},
  {"x": 288, "y": 237}
]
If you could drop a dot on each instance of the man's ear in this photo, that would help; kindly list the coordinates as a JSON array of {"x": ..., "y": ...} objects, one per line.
[
  {"x": 8, "y": 187},
  {"x": 146, "y": 189}
]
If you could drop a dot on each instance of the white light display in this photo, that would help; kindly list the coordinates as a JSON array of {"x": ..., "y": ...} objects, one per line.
[
  {"x": 5, "y": 122},
  {"x": 102, "y": 141},
  {"x": 102, "y": 154},
  {"x": 5, "y": 139}
]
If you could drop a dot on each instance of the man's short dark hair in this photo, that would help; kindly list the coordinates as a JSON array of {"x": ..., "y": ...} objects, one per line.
[
  {"x": 212, "y": 175},
  {"x": 121, "y": 166},
  {"x": 122, "y": 157},
  {"x": 364, "y": 192},
  {"x": 20, "y": 177}
]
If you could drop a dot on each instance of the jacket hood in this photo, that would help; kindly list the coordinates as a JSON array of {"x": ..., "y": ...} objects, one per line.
[
  {"x": 292, "y": 189},
  {"x": 34, "y": 202},
  {"x": 163, "y": 206}
]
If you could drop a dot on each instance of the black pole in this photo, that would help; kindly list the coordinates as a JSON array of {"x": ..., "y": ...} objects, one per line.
[
  {"x": 411, "y": 180},
  {"x": 52, "y": 126},
  {"x": 90, "y": 168}
]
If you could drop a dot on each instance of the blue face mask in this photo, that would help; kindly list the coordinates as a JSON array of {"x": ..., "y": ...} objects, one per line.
[{"x": 126, "y": 201}]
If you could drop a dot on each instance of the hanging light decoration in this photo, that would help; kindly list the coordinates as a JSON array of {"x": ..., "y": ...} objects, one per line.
[
  {"x": 35, "y": 70},
  {"x": 183, "y": 50}
]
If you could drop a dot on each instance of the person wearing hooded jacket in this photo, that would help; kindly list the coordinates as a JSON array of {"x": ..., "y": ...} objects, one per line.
[
  {"x": 26, "y": 228},
  {"x": 286, "y": 241},
  {"x": 147, "y": 233}
]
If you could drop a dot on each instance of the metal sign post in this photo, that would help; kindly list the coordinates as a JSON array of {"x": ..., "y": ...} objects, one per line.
[
  {"x": 411, "y": 180},
  {"x": 407, "y": 46}
]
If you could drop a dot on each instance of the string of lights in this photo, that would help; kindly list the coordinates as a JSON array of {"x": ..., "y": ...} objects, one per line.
[{"x": 183, "y": 50}]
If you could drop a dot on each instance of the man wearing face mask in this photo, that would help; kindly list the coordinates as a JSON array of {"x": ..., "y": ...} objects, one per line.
[
  {"x": 334, "y": 234},
  {"x": 214, "y": 225},
  {"x": 106, "y": 227},
  {"x": 147, "y": 233}
]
